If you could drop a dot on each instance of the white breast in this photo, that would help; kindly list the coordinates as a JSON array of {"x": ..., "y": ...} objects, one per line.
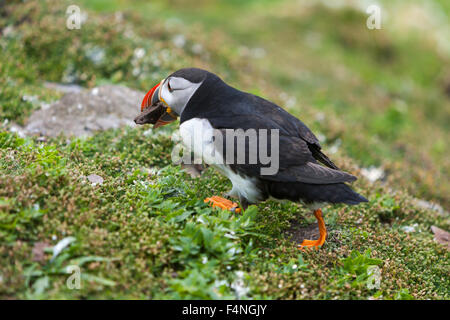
[{"x": 197, "y": 137}]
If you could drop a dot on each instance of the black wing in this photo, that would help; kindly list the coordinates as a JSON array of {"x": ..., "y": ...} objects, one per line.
[
  {"x": 295, "y": 160},
  {"x": 250, "y": 111}
]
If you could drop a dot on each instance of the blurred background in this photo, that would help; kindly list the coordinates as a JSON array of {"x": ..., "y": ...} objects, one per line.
[{"x": 378, "y": 100}]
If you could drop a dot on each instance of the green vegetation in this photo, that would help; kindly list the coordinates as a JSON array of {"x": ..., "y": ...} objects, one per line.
[{"x": 145, "y": 232}]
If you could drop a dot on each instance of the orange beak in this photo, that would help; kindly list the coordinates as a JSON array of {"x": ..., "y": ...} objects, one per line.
[
  {"x": 155, "y": 111},
  {"x": 149, "y": 97}
]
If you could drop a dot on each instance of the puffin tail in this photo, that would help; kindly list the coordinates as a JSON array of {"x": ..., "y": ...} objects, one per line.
[{"x": 345, "y": 194}]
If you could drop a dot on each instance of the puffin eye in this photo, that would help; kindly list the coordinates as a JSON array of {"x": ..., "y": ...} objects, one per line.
[{"x": 169, "y": 87}]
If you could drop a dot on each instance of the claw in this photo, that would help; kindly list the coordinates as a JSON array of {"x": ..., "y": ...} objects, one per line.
[{"x": 223, "y": 203}]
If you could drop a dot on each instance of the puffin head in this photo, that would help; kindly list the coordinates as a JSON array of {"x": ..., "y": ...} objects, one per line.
[{"x": 166, "y": 101}]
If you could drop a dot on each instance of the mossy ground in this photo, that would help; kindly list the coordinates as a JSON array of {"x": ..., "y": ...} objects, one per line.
[{"x": 145, "y": 232}]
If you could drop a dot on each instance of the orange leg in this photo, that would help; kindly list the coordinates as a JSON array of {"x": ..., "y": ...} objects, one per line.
[
  {"x": 223, "y": 203},
  {"x": 322, "y": 230}
]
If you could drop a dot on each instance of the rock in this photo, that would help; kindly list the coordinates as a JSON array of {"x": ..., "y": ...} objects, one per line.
[
  {"x": 441, "y": 236},
  {"x": 80, "y": 113},
  {"x": 17, "y": 129},
  {"x": 61, "y": 87},
  {"x": 95, "y": 179}
]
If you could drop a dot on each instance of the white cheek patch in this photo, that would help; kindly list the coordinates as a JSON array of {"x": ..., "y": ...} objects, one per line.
[
  {"x": 179, "y": 83},
  {"x": 182, "y": 92}
]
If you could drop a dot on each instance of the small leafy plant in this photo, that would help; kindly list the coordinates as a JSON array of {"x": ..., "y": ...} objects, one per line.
[{"x": 355, "y": 268}]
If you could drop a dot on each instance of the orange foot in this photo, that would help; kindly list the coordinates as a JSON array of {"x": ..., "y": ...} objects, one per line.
[
  {"x": 223, "y": 203},
  {"x": 323, "y": 233}
]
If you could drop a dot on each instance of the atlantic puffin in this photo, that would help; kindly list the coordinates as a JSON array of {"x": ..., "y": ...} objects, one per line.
[{"x": 204, "y": 102}]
